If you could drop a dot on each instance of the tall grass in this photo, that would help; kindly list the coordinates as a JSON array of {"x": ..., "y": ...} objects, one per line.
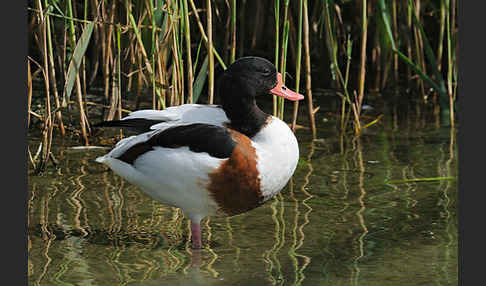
[{"x": 110, "y": 55}]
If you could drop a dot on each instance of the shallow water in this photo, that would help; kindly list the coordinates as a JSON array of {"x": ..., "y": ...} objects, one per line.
[{"x": 379, "y": 210}]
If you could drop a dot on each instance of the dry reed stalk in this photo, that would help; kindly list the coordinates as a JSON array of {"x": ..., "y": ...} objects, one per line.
[
  {"x": 114, "y": 97},
  {"x": 84, "y": 86},
  {"x": 162, "y": 78},
  {"x": 176, "y": 73},
  {"x": 440, "y": 46},
  {"x": 141, "y": 47},
  {"x": 308, "y": 85},
  {"x": 209, "y": 27},
  {"x": 298, "y": 64},
  {"x": 106, "y": 42},
  {"x": 187, "y": 33},
  {"x": 450, "y": 63},
  {"x": 198, "y": 20},
  {"x": 83, "y": 66},
  {"x": 48, "y": 126},
  {"x": 104, "y": 59},
  {"x": 180, "y": 59},
  {"x": 118, "y": 73},
  {"x": 116, "y": 100},
  {"x": 138, "y": 96},
  {"x": 82, "y": 114},
  {"x": 89, "y": 103},
  {"x": 29, "y": 92},
  {"x": 362, "y": 66},
  {"x": 132, "y": 65},
  {"x": 173, "y": 88},
  {"x": 52, "y": 74},
  {"x": 408, "y": 39},
  {"x": 153, "y": 51}
]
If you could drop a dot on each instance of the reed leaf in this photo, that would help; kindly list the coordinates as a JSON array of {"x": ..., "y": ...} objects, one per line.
[
  {"x": 429, "y": 53},
  {"x": 418, "y": 180},
  {"x": 200, "y": 79},
  {"x": 386, "y": 20},
  {"x": 75, "y": 62}
]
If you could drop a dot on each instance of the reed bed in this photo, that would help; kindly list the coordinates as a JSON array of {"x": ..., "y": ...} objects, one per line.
[{"x": 95, "y": 60}]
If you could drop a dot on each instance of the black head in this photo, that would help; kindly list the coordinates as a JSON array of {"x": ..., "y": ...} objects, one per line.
[
  {"x": 245, "y": 79},
  {"x": 255, "y": 75}
]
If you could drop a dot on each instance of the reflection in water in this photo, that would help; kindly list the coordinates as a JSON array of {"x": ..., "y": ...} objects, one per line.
[
  {"x": 210, "y": 268},
  {"x": 298, "y": 235},
  {"x": 451, "y": 233},
  {"x": 270, "y": 255},
  {"x": 356, "y": 212},
  {"x": 359, "y": 213}
]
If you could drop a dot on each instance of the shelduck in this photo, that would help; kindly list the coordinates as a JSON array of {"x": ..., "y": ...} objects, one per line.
[{"x": 211, "y": 160}]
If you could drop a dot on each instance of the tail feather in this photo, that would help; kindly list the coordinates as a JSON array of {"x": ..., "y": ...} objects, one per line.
[{"x": 135, "y": 124}]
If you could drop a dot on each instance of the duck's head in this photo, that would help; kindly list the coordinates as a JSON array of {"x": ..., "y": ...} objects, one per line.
[{"x": 254, "y": 76}]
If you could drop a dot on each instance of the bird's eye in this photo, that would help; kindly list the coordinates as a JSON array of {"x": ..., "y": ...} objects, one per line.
[{"x": 266, "y": 71}]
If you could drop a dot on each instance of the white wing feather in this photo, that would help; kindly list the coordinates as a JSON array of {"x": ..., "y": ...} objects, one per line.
[
  {"x": 183, "y": 115},
  {"x": 174, "y": 116}
]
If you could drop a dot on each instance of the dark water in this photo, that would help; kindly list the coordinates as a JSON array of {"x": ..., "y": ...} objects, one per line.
[{"x": 378, "y": 210}]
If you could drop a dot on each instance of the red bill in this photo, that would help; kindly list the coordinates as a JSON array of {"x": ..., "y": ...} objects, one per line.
[{"x": 281, "y": 90}]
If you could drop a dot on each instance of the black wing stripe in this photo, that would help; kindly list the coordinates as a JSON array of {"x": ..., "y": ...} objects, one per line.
[{"x": 199, "y": 137}]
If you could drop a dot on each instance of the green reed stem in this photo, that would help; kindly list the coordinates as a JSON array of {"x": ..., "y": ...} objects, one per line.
[
  {"x": 283, "y": 59},
  {"x": 277, "y": 42},
  {"x": 283, "y": 67},
  {"x": 233, "y": 31},
  {"x": 298, "y": 63}
]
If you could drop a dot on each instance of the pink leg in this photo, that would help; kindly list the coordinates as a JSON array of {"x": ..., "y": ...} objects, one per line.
[{"x": 196, "y": 235}]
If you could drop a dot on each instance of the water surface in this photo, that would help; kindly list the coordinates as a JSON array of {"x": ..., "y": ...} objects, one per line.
[{"x": 378, "y": 210}]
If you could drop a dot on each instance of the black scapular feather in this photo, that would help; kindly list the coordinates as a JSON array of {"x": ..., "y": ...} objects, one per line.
[{"x": 199, "y": 137}]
